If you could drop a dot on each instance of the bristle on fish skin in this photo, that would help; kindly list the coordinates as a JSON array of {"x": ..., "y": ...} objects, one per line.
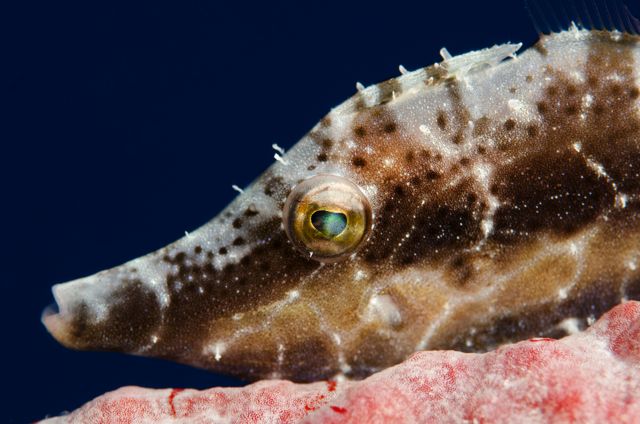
[
  {"x": 603, "y": 15},
  {"x": 485, "y": 199}
]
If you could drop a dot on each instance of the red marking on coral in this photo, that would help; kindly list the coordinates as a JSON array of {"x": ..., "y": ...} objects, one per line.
[
  {"x": 172, "y": 395},
  {"x": 450, "y": 374},
  {"x": 339, "y": 409},
  {"x": 331, "y": 385},
  {"x": 542, "y": 339}
]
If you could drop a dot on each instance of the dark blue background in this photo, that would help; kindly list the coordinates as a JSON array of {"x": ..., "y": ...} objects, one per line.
[{"x": 126, "y": 124}]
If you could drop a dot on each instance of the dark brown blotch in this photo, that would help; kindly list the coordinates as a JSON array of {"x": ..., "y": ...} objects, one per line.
[
  {"x": 433, "y": 175},
  {"x": 555, "y": 192},
  {"x": 435, "y": 225},
  {"x": 326, "y": 122},
  {"x": 509, "y": 124},
  {"x": 251, "y": 211},
  {"x": 274, "y": 185},
  {"x": 458, "y": 137},
  {"x": 481, "y": 126},
  {"x": 442, "y": 120},
  {"x": 571, "y": 109},
  {"x": 542, "y": 107},
  {"x": 460, "y": 270},
  {"x": 359, "y": 161},
  {"x": 389, "y": 127}
]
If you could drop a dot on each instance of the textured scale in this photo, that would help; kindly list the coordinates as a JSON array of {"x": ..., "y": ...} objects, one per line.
[{"x": 504, "y": 194}]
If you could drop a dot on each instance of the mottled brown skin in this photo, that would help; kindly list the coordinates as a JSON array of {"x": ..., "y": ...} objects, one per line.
[
  {"x": 547, "y": 166},
  {"x": 548, "y": 192}
]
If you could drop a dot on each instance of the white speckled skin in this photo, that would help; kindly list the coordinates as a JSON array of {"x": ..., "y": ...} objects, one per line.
[{"x": 500, "y": 206}]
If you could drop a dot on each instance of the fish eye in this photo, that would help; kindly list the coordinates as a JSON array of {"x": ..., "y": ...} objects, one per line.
[{"x": 327, "y": 217}]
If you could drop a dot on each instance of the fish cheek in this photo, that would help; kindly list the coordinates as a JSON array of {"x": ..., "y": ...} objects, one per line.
[
  {"x": 134, "y": 314},
  {"x": 375, "y": 351},
  {"x": 306, "y": 360},
  {"x": 198, "y": 303},
  {"x": 309, "y": 360}
]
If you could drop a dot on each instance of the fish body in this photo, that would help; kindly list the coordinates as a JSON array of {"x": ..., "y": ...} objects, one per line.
[{"x": 482, "y": 200}]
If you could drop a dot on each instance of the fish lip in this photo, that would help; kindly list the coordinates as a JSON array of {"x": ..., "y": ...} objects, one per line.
[{"x": 55, "y": 318}]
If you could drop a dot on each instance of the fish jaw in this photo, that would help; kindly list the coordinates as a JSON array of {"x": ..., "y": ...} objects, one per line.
[{"x": 116, "y": 309}]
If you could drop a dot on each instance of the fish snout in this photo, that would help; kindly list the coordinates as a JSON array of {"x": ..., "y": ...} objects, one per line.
[{"x": 103, "y": 312}]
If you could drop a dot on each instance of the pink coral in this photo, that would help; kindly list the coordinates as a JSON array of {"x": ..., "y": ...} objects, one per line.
[{"x": 588, "y": 377}]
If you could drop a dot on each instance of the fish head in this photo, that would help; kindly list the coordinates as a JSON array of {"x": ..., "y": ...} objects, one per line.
[
  {"x": 460, "y": 206},
  {"x": 290, "y": 277}
]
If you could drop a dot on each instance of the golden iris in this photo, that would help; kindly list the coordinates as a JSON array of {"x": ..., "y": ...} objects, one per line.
[{"x": 327, "y": 217}]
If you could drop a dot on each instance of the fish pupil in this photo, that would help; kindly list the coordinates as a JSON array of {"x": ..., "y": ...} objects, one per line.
[{"x": 329, "y": 224}]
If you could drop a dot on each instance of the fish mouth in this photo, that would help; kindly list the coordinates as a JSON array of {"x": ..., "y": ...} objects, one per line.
[
  {"x": 75, "y": 301},
  {"x": 56, "y": 317},
  {"x": 113, "y": 310}
]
